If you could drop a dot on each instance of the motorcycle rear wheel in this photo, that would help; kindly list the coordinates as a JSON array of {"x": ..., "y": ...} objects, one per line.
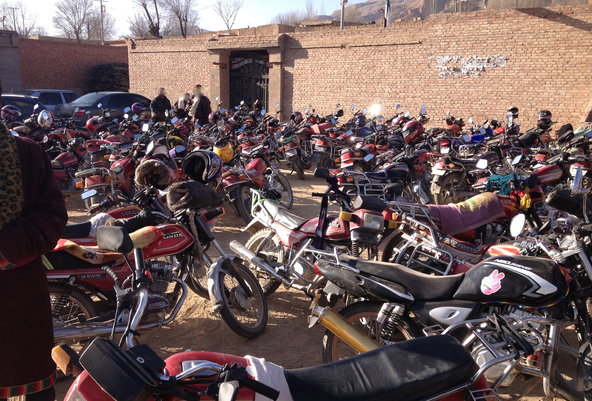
[
  {"x": 76, "y": 305},
  {"x": 363, "y": 316},
  {"x": 299, "y": 169},
  {"x": 245, "y": 315},
  {"x": 265, "y": 244}
]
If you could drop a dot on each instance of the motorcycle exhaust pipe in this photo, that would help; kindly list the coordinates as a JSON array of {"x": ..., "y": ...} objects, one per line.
[
  {"x": 249, "y": 255},
  {"x": 347, "y": 333}
]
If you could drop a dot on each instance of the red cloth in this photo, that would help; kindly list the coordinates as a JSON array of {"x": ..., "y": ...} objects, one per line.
[{"x": 26, "y": 332}]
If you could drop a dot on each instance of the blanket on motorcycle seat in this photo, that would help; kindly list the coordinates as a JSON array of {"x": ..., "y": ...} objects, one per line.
[
  {"x": 87, "y": 251},
  {"x": 468, "y": 215}
]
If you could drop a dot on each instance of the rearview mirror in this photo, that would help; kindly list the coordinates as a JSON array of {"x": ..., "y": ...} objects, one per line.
[
  {"x": 127, "y": 110},
  {"x": 482, "y": 164},
  {"x": 263, "y": 112},
  {"x": 397, "y": 106},
  {"x": 517, "y": 225},
  {"x": 516, "y": 160},
  {"x": 466, "y": 138},
  {"x": 368, "y": 157},
  {"x": 100, "y": 105},
  {"x": 352, "y": 107},
  {"x": 180, "y": 149},
  {"x": 145, "y": 127},
  {"x": 135, "y": 117},
  {"x": 174, "y": 120}
]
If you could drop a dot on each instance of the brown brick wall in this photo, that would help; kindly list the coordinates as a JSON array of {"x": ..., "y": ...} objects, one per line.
[
  {"x": 473, "y": 64},
  {"x": 55, "y": 64}
]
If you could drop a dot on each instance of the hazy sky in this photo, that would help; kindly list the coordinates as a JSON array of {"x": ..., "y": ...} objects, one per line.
[{"x": 254, "y": 12}]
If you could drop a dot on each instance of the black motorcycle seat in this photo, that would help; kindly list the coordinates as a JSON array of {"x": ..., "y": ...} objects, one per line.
[
  {"x": 423, "y": 287},
  {"x": 281, "y": 215},
  {"x": 381, "y": 175},
  {"x": 406, "y": 371},
  {"x": 62, "y": 260},
  {"x": 80, "y": 230}
]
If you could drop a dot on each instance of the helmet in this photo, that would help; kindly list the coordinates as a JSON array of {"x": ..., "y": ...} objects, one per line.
[
  {"x": 213, "y": 118},
  {"x": 94, "y": 124},
  {"x": 225, "y": 151},
  {"x": 544, "y": 119},
  {"x": 153, "y": 173},
  {"x": 297, "y": 117},
  {"x": 412, "y": 131},
  {"x": 360, "y": 120},
  {"x": 10, "y": 112},
  {"x": 203, "y": 166},
  {"x": 513, "y": 110},
  {"x": 137, "y": 108}
]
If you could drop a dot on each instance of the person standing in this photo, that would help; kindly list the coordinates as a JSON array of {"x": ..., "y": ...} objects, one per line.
[
  {"x": 32, "y": 219},
  {"x": 201, "y": 108},
  {"x": 160, "y": 104},
  {"x": 183, "y": 105}
]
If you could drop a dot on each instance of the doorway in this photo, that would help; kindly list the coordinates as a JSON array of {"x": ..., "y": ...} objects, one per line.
[{"x": 249, "y": 77}]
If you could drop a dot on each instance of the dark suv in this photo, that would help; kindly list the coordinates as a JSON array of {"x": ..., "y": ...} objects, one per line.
[{"x": 94, "y": 102}]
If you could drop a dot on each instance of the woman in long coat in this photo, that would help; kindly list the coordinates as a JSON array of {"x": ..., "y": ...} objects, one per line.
[{"x": 32, "y": 218}]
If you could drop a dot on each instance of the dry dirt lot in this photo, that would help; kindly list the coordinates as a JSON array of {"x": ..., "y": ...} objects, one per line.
[{"x": 287, "y": 340}]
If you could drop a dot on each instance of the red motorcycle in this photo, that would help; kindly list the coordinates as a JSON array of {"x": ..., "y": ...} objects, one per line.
[
  {"x": 67, "y": 163},
  {"x": 174, "y": 253}
]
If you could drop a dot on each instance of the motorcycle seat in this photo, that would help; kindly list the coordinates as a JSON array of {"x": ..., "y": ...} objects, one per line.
[
  {"x": 472, "y": 213},
  {"x": 80, "y": 230},
  {"x": 381, "y": 175},
  {"x": 423, "y": 287},
  {"x": 409, "y": 370},
  {"x": 282, "y": 216}
]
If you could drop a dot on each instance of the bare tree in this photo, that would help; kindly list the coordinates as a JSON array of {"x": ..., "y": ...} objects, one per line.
[
  {"x": 71, "y": 17},
  {"x": 289, "y": 18},
  {"x": 151, "y": 15},
  {"x": 310, "y": 9},
  {"x": 228, "y": 10},
  {"x": 138, "y": 27},
  {"x": 93, "y": 26},
  {"x": 184, "y": 12},
  {"x": 17, "y": 17}
]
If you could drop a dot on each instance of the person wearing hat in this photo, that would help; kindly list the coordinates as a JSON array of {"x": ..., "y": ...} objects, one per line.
[
  {"x": 201, "y": 107},
  {"x": 160, "y": 104}
]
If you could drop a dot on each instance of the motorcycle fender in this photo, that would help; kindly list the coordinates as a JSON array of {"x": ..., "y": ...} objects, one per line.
[
  {"x": 213, "y": 285},
  {"x": 435, "y": 187}
]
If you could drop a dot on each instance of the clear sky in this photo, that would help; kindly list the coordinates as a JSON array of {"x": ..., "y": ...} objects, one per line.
[{"x": 254, "y": 12}]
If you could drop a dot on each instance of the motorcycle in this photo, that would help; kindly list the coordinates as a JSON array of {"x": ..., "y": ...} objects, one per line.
[{"x": 75, "y": 274}]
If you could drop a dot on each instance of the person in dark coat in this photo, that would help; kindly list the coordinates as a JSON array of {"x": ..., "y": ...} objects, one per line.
[
  {"x": 32, "y": 218},
  {"x": 160, "y": 104},
  {"x": 201, "y": 107}
]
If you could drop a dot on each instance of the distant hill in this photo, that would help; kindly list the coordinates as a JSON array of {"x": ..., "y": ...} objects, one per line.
[{"x": 372, "y": 11}]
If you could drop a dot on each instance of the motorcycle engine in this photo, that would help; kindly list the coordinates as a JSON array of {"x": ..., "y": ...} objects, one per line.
[
  {"x": 481, "y": 355},
  {"x": 162, "y": 276}
]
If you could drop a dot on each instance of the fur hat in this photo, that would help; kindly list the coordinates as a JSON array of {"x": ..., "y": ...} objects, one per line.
[{"x": 153, "y": 173}]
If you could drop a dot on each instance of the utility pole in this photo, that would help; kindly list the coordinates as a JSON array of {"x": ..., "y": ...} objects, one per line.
[
  {"x": 14, "y": 22},
  {"x": 102, "y": 21},
  {"x": 387, "y": 6},
  {"x": 343, "y": 3}
]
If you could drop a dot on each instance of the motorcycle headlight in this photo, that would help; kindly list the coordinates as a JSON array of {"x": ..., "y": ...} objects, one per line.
[{"x": 373, "y": 222}]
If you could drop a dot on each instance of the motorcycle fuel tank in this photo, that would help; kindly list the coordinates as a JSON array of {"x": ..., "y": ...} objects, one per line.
[{"x": 514, "y": 279}]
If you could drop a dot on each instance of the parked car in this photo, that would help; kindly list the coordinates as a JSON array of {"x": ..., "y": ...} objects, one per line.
[
  {"x": 23, "y": 102},
  {"x": 115, "y": 102},
  {"x": 50, "y": 97}
]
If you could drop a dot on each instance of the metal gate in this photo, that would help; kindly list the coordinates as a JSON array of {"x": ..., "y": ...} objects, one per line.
[{"x": 249, "y": 77}]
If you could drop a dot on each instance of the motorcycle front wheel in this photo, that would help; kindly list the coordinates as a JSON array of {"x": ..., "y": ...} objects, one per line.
[
  {"x": 70, "y": 305},
  {"x": 362, "y": 315},
  {"x": 266, "y": 244},
  {"x": 280, "y": 184},
  {"x": 244, "y": 307}
]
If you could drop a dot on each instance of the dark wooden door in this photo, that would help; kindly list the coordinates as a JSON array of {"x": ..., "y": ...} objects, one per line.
[{"x": 249, "y": 78}]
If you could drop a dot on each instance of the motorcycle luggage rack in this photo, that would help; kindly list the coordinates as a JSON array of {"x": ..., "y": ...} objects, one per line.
[
  {"x": 487, "y": 394},
  {"x": 427, "y": 257},
  {"x": 412, "y": 210},
  {"x": 434, "y": 330}
]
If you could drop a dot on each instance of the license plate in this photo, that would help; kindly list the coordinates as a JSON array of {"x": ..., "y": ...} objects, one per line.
[
  {"x": 438, "y": 171},
  {"x": 445, "y": 150}
]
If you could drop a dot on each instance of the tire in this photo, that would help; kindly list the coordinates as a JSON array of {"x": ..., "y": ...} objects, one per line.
[
  {"x": 298, "y": 168},
  {"x": 242, "y": 203},
  {"x": 363, "y": 315},
  {"x": 448, "y": 186},
  {"x": 231, "y": 281},
  {"x": 266, "y": 244},
  {"x": 77, "y": 304},
  {"x": 187, "y": 271},
  {"x": 283, "y": 186}
]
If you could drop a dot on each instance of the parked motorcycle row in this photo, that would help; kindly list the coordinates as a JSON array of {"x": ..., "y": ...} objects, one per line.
[{"x": 459, "y": 257}]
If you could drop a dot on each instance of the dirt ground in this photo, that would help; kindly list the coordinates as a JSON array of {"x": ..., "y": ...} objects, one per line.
[{"x": 287, "y": 340}]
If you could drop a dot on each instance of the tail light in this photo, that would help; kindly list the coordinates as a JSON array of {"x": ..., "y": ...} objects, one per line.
[
  {"x": 79, "y": 114},
  {"x": 80, "y": 184}
]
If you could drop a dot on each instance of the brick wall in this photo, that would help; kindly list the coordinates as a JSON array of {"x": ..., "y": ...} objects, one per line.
[
  {"x": 58, "y": 64},
  {"x": 473, "y": 64},
  {"x": 10, "y": 65}
]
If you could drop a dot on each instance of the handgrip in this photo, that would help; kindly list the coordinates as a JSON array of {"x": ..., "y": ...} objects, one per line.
[{"x": 112, "y": 274}]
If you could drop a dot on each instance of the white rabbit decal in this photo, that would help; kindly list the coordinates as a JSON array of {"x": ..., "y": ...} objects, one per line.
[{"x": 492, "y": 283}]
